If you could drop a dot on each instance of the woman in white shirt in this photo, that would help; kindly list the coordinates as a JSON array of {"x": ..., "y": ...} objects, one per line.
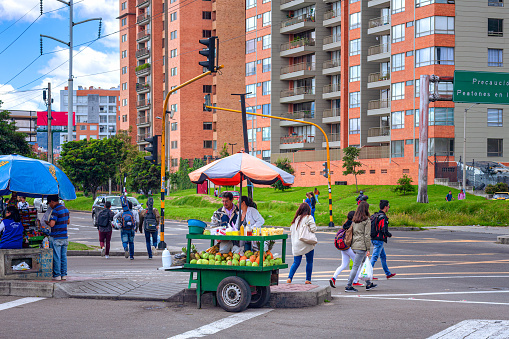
[
  {"x": 250, "y": 217},
  {"x": 22, "y": 204}
]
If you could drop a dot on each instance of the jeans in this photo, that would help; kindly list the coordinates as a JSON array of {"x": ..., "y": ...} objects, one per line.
[
  {"x": 59, "y": 247},
  {"x": 296, "y": 263},
  {"x": 378, "y": 250},
  {"x": 148, "y": 236},
  {"x": 104, "y": 240},
  {"x": 128, "y": 239},
  {"x": 359, "y": 259},
  {"x": 313, "y": 213}
]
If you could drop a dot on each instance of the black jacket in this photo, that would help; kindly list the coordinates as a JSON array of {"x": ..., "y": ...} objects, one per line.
[{"x": 380, "y": 227}]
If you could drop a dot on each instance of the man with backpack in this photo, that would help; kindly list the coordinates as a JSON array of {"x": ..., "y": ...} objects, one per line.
[
  {"x": 149, "y": 222},
  {"x": 103, "y": 224},
  {"x": 379, "y": 234},
  {"x": 127, "y": 226}
]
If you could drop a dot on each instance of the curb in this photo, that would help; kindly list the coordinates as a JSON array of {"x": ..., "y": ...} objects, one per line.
[
  {"x": 21, "y": 288},
  {"x": 503, "y": 239}
]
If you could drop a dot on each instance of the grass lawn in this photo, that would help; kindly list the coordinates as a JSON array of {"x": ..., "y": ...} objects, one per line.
[
  {"x": 74, "y": 246},
  {"x": 278, "y": 208}
]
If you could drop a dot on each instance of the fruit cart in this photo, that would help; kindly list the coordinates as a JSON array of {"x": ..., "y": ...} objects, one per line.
[{"x": 235, "y": 287}]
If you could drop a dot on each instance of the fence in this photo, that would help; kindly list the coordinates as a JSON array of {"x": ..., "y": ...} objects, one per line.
[{"x": 483, "y": 173}]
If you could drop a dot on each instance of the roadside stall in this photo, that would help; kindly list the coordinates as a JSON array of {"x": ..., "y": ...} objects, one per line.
[
  {"x": 31, "y": 178},
  {"x": 238, "y": 279}
]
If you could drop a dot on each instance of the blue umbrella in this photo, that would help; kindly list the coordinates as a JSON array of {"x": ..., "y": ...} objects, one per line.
[{"x": 33, "y": 178}]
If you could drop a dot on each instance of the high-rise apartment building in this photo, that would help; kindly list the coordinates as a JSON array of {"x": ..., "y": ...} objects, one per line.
[
  {"x": 353, "y": 68},
  {"x": 159, "y": 45}
]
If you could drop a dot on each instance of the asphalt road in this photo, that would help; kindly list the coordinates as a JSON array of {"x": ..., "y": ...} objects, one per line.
[{"x": 443, "y": 278}]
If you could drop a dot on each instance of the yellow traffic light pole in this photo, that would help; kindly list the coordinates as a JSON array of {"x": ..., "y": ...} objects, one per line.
[
  {"x": 162, "y": 244},
  {"x": 331, "y": 222}
]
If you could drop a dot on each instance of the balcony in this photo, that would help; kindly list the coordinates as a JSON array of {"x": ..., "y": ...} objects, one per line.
[
  {"x": 298, "y": 71},
  {"x": 143, "y": 120},
  {"x": 380, "y": 26},
  {"x": 297, "y": 142},
  {"x": 299, "y": 115},
  {"x": 379, "y": 107},
  {"x": 331, "y": 116},
  {"x": 375, "y": 152},
  {"x": 379, "y": 3},
  {"x": 298, "y": 24},
  {"x": 379, "y": 134},
  {"x": 143, "y": 19},
  {"x": 141, "y": 137},
  {"x": 332, "y": 18},
  {"x": 292, "y": 5},
  {"x": 334, "y": 140},
  {"x": 143, "y": 104},
  {"x": 331, "y": 67},
  {"x": 142, "y": 87},
  {"x": 332, "y": 91},
  {"x": 379, "y": 80},
  {"x": 142, "y": 70},
  {"x": 332, "y": 42},
  {"x": 142, "y": 3},
  {"x": 296, "y": 95},
  {"x": 379, "y": 53},
  {"x": 297, "y": 48},
  {"x": 142, "y": 53},
  {"x": 143, "y": 36}
]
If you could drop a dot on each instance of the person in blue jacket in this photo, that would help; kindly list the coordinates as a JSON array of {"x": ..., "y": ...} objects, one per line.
[{"x": 12, "y": 237}]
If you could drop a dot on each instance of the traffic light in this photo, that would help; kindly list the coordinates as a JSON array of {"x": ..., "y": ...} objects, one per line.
[
  {"x": 152, "y": 148},
  {"x": 325, "y": 170},
  {"x": 210, "y": 53}
]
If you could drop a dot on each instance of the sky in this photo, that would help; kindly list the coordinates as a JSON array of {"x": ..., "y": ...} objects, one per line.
[{"x": 95, "y": 62}]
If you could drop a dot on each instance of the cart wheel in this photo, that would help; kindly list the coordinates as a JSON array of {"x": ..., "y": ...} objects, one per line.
[
  {"x": 261, "y": 296},
  {"x": 233, "y": 294}
]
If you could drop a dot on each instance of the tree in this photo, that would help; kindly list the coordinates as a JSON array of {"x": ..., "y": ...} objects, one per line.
[
  {"x": 90, "y": 163},
  {"x": 224, "y": 151},
  {"x": 404, "y": 185},
  {"x": 11, "y": 141},
  {"x": 350, "y": 163},
  {"x": 143, "y": 175},
  {"x": 285, "y": 165}
]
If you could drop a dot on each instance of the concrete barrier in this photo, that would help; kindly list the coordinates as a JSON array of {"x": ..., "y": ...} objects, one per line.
[{"x": 39, "y": 261}]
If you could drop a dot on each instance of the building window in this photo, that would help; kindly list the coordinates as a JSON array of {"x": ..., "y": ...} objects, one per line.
[
  {"x": 409, "y": 141},
  {"x": 251, "y": 68},
  {"x": 174, "y": 162},
  {"x": 355, "y": 99},
  {"x": 355, "y": 73},
  {"x": 207, "y": 126},
  {"x": 398, "y": 33},
  {"x": 124, "y": 54},
  {"x": 355, "y": 20},
  {"x": 266, "y": 88},
  {"x": 354, "y": 126},
  {"x": 173, "y": 53},
  {"x": 251, "y": 134},
  {"x": 251, "y": 24},
  {"x": 398, "y": 62},
  {"x": 355, "y": 47},
  {"x": 434, "y": 25},
  {"x": 173, "y": 35},
  {"x": 124, "y": 5},
  {"x": 266, "y": 155},
  {"x": 441, "y": 116},
  {"x": 207, "y": 143},
  {"x": 266, "y": 18},
  {"x": 174, "y": 144},
  {"x": 174, "y": 126},
  {"x": 398, "y": 120},
  {"x": 173, "y": 71},
  {"x": 174, "y": 107},
  {"x": 124, "y": 38},
  {"x": 173, "y": 16},
  {"x": 397, "y": 149},
  {"x": 206, "y": 33},
  {"x": 495, "y": 57},
  {"x": 251, "y": 46},
  {"x": 434, "y": 56},
  {"x": 207, "y": 88},
  {"x": 398, "y": 6},
  {"x": 124, "y": 21},
  {"x": 206, "y": 15},
  {"x": 252, "y": 90},
  {"x": 497, "y": 3},
  {"x": 266, "y": 41},
  {"x": 124, "y": 70},
  {"x": 83, "y": 127},
  {"x": 494, "y": 117},
  {"x": 124, "y": 86},
  {"x": 495, "y": 147},
  {"x": 266, "y": 109},
  {"x": 250, "y": 4},
  {"x": 398, "y": 91},
  {"x": 495, "y": 27},
  {"x": 124, "y": 102},
  {"x": 266, "y": 134},
  {"x": 421, "y": 3},
  {"x": 266, "y": 65}
]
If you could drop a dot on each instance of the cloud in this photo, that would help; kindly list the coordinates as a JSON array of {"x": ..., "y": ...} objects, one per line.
[
  {"x": 30, "y": 101},
  {"x": 108, "y": 10},
  {"x": 13, "y": 10}
]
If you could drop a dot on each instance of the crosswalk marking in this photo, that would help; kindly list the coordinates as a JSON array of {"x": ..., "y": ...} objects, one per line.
[{"x": 18, "y": 302}]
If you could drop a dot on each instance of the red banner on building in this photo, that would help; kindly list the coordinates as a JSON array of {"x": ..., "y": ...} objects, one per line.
[{"x": 57, "y": 118}]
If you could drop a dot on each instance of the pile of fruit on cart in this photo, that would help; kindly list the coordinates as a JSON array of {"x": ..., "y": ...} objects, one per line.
[{"x": 212, "y": 257}]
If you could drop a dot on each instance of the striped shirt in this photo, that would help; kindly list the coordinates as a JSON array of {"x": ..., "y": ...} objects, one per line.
[{"x": 60, "y": 215}]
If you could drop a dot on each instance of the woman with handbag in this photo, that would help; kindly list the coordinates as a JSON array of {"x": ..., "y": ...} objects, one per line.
[{"x": 303, "y": 241}]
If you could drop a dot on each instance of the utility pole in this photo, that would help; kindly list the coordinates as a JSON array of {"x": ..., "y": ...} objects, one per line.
[
  {"x": 422, "y": 193},
  {"x": 246, "y": 143},
  {"x": 70, "y": 91},
  {"x": 50, "y": 135},
  {"x": 232, "y": 146}
]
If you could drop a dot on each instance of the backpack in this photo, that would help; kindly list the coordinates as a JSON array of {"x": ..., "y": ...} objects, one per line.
[
  {"x": 127, "y": 220},
  {"x": 377, "y": 225},
  {"x": 341, "y": 238},
  {"x": 103, "y": 219},
  {"x": 150, "y": 222}
]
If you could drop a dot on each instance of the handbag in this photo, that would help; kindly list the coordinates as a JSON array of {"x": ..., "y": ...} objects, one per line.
[{"x": 305, "y": 234}]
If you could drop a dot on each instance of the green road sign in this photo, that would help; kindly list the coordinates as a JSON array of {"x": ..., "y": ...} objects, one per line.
[{"x": 481, "y": 87}]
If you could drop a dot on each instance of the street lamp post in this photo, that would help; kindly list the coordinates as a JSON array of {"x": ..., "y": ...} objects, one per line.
[
  {"x": 232, "y": 145},
  {"x": 465, "y": 146}
]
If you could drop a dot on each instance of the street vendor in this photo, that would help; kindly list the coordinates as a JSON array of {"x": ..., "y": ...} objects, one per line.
[
  {"x": 250, "y": 218},
  {"x": 227, "y": 214},
  {"x": 12, "y": 237}
]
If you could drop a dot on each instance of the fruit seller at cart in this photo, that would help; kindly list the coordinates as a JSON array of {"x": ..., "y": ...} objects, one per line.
[
  {"x": 12, "y": 237},
  {"x": 226, "y": 216}
]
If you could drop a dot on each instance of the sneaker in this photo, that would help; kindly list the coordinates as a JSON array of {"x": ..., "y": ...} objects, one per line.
[
  {"x": 103, "y": 251},
  {"x": 126, "y": 254},
  {"x": 332, "y": 282},
  {"x": 391, "y": 275},
  {"x": 288, "y": 281},
  {"x": 370, "y": 286},
  {"x": 150, "y": 258},
  {"x": 357, "y": 284},
  {"x": 374, "y": 278},
  {"x": 350, "y": 289},
  {"x": 57, "y": 278},
  {"x": 63, "y": 278},
  {"x": 106, "y": 256},
  {"x": 131, "y": 258}
]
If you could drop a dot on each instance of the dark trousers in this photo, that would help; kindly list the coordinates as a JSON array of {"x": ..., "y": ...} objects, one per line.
[
  {"x": 149, "y": 235},
  {"x": 104, "y": 240}
]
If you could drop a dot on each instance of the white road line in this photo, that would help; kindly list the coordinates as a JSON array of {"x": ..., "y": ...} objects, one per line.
[
  {"x": 222, "y": 324},
  {"x": 433, "y": 300},
  {"x": 476, "y": 329},
  {"x": 431, "y": 293},
  {"x": 18, "y": 302}
]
